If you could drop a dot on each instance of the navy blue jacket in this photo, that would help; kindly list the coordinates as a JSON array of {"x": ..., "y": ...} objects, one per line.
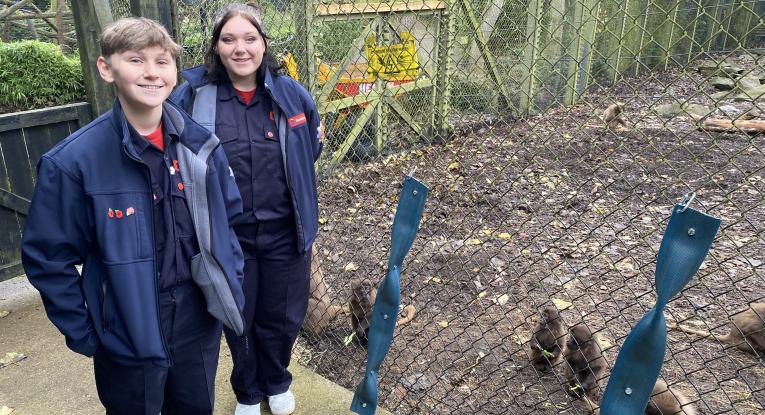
[
  {"x": 301, "y": 141},
  {"x": 92, "y": 205}
]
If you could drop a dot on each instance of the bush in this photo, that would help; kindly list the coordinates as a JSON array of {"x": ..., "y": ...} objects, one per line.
[{"x": 36, "y": 74}]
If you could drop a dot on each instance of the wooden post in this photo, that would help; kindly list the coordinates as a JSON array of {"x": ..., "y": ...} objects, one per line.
[
  {"x": 159, "y": 10},
  {"x": 305, "y": 48},
  {"x": 530, "y": 55},
  {"x": 588, "y": 19},
  {"x": 444, "y": 68},
  {"x": 475, "y": 29},
  {"x": 90, "y": 18}
]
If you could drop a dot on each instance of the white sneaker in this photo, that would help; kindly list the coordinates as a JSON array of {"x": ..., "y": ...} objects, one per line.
[
  {"x": 242, "y": 409},
  {"x": 282, "y": 404}
]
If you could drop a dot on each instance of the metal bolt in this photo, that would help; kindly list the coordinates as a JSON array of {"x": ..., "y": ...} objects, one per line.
[
  {"x": 691, "y": 232},
  {"x": 385, "y": 316},
  {"x": 363, "y": 405},
  {"x": 414, "y": 192},
  {"x": 628, "y": 391}
]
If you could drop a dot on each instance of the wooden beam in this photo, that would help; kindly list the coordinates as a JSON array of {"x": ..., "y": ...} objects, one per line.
[
  {"x": 7, "y": 12},
  {"x": 90, "y": 18},
  {"x": 159, "y": 10},
  {"x": 51, "y": 115},
  {"x": 14, "y": 202},
  {"x": 475, "y": 29},
  {"x": 530, "y": 55},
  {"x": 43, "y": 16},
  {"x": 347, "y": 9},
  {"x": 11, "y": 270},
  {"x": 305, "y": 45}
]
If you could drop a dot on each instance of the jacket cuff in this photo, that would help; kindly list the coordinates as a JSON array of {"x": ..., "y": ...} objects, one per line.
[{"x": 86, "y": 346}]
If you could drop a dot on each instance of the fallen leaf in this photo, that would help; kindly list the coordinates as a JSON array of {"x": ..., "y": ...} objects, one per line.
[
  {"x": 502, "y": 299},
  {"x": 561, "y": 304},
  {"x": 349, "y": 338},
  {"x": 473, "y": 242},
  {"x": 6, "y": 410},
  {"x": 4, "y": 313},
  {"x": 453, "y": 166},
  {"x": 482, "y": 294},
  {"x": 518, "y": 339},
  {"x": 11, "y": 357},
  {"x": 322, "y": 221},
  {"x": 504, "y": 235},
  {"x": 443, "y": 323},
  {"x": 351, "y": 267}
]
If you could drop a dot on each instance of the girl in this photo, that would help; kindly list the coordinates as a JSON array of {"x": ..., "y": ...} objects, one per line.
[{"x": 269, "y": 127}]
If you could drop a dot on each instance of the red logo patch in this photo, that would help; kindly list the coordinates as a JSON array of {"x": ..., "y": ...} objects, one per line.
[
  {"x": 110, "y": 213},
  {"x": 271, "y": 115},
  {"x": 130, "y": 211},
  {"x": 297, "y": 120},
  {"x": 118, "y": 213}
]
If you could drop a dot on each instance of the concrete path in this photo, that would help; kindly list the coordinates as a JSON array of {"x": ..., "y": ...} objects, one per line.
[{"x": 52, "y": 379}]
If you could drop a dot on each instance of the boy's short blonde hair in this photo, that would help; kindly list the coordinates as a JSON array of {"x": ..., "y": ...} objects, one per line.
[{"x": 136, "y": 33}]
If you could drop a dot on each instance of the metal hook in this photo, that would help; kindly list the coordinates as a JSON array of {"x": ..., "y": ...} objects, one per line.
[{"x": 687, "y": 199}]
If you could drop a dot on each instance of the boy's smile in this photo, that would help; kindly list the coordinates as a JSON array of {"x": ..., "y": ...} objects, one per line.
[{"x": 144, "y": 78}]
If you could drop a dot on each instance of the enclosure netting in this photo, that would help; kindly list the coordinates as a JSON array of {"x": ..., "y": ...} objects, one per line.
[{"x": 535, "y": 200}]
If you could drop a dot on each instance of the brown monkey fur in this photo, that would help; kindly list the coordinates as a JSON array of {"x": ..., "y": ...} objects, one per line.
[
  {"x": 585, "y": 363},
  {"x": 664, "y": 401},
  {"x": 612, "y": 116},
  {"x": 547, "y": 340},
  {"x": 668, "y": 401},
  {"x": 321, "y": 311},
  {"x": 363, "y": 294},
  {"x": 747, "y": 331}
]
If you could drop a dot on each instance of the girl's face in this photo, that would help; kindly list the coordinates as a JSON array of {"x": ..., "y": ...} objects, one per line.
[{"x": 241, "y": 49}]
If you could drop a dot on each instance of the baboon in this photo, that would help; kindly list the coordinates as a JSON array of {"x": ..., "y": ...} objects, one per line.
[
  {"x": 585, "y": 363},
  {"x": 547, "y": 341},
  {"x": 668, "y": 401},
  {"x": 321, "y": 311},
  {"x": 747, "y": 330},
  {"x": 612, "y": 116},
  {"x": 363, "y": 294}
]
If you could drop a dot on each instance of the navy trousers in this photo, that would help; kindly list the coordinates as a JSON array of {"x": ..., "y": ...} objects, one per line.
[
  {"x": 276, "y": 285},
  {"x": 188, "y": 385}
]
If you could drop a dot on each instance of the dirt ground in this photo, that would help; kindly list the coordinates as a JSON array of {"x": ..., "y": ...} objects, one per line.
[{"x": 552, "y": 209}]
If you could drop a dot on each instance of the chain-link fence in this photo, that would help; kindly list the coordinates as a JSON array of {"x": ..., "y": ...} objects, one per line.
[{"x": 543, "y": 194}]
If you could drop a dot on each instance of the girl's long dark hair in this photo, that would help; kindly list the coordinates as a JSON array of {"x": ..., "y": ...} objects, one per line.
[{"x": 216, "y": 72}]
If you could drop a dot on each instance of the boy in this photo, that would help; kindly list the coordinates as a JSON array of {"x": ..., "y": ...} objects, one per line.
[{"x": 144, "y": 199}]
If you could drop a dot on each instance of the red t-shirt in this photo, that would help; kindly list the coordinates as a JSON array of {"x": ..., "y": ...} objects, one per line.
[
  {"x": 157, "y": 138},
  {"x": 246, "y": 95}
]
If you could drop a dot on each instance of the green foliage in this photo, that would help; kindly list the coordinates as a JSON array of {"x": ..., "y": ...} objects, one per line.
[{"x": 36, "y": 74}]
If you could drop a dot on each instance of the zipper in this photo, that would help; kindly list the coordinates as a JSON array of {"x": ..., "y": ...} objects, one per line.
[
  {"x": 154, "y": 255},
  {"x": 104, "y": 323}
]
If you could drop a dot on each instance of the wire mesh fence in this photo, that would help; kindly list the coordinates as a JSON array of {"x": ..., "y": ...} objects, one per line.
[{"x": 556, "y": 135}]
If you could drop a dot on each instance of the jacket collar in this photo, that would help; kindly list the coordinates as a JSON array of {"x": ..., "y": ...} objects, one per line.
[{"x": 174, "y": 123}]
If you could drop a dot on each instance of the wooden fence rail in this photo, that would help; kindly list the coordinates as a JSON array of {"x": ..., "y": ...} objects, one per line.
[{"x": 24, "y": 137}]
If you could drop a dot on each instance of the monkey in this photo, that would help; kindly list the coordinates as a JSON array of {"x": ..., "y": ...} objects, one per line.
[
  {"x": 585, "y": 362},
  {"x": 747, "y": 330},
  {"x": 361, "y": 303},
  {"x": 547, "y": 341},
  {"x": 668, "y": 401},
  {"x": 320, "y": 311},
  {"x": 612, "y": 116},
  {"x": 363, "y": 294}
]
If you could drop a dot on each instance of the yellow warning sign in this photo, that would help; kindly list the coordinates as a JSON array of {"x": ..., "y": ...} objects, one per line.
[{"x": 396, "y": 60}]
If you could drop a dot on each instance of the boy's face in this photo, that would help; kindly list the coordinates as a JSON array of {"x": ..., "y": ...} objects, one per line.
[{"x": 144, "y": 78}]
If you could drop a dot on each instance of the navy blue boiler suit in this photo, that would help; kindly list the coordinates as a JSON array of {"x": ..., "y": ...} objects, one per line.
[
  {"x": 276, "y": 274},
  {"x": 192, "y": 335}
]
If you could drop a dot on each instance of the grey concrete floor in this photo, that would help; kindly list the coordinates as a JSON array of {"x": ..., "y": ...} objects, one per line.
[{"x": 52, "y": 379}]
